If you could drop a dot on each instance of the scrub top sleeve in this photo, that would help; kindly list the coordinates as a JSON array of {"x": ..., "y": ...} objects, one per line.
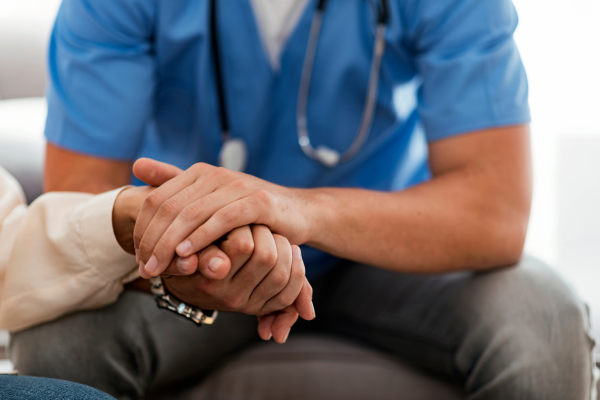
[
  {"x": 471, "y": 71},
  {"x": 102, "y": 77}
]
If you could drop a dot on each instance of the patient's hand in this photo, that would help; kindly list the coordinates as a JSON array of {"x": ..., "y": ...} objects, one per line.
[
  {"x": 252, "y": 271},
  {"x": 258, "y": 274},
  {"x": 129, "y": 202},
  {"x": 125, "y": 212}
]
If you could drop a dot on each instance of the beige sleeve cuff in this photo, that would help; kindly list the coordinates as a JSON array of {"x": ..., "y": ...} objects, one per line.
[{"x": 99, "y": 239}]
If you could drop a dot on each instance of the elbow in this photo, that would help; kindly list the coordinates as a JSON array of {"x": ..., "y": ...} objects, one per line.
[{"x": 506, "y": 240}]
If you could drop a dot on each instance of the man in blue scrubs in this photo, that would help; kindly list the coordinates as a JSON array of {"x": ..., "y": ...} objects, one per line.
[{"x": 433, "y": 203}]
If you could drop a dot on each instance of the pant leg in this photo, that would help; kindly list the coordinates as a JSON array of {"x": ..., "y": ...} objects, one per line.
[
  {"x": 125, "y": 348},
  {"x": 515, "y": 333},
  {"x": 28, "y": 388}
]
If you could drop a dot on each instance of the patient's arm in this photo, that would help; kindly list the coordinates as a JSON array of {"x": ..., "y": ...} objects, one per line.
[
  {"x": 58, "y": 256},
  {"x": 61, "y": 254}
]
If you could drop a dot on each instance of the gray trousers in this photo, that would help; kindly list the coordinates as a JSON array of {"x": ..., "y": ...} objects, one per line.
[{"x": 515, "y": 333}]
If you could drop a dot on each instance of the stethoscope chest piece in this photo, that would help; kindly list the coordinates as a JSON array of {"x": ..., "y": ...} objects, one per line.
[{"x": 234, "y": 155}]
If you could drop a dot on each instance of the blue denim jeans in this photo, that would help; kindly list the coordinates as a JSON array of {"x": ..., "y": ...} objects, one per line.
[
  {"x": 29, "y": 388},
  {"x": 515, "y": 333}
]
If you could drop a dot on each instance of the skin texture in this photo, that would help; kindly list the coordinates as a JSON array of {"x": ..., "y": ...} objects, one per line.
[
  {"x": 472, "y": 216},
  {"x": 259, "y": 273}
]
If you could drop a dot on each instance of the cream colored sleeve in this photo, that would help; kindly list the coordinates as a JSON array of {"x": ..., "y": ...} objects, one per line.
[{"x": 58, "y": 256}]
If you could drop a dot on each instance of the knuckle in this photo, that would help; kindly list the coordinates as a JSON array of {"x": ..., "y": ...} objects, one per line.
[
  {"x": 240, "y": 184},
  {"x": 198, "y": 167},
  {"x": 265, "y": 197},
  {"x": 298, "y": 274},
  {"x": 281, "y": 241},
  {"x": 242, "y": 246},
  {"x": 192, "y": 211},
  {"x": 219, "y": 172},
  {"x": 266, "y": 258},
  {"x": 153, "y": 200},
  {"x": 279, "y": 279},
  {"x": 145, "y": 248},
  {"x": 286, "y": 300},
  {"x": 229, "y": 214},
  {"x": 168, "y": 208}
]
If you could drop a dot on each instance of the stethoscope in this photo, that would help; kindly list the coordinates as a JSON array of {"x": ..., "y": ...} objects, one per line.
[{"x": 234, "y": 152}]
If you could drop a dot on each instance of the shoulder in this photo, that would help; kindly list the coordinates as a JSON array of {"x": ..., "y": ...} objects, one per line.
[
  {"x": 127, "y": 17},
  {"x": 431, "y": 19}
]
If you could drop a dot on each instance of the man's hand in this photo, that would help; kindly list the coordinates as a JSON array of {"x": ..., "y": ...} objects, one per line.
[
  {"x": 202, "y": 204},
  {"x": 252, "y": 271},
  {"x": 129, "y": 202}
]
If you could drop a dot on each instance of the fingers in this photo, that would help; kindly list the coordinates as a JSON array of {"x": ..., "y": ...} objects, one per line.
[
  {"x": 246, "y": 211},
  {"x": 287, "y": 296},
  {"x": 213, "y": 263},
  {"x": 278, "y": 290},
  {"x": 182, "y": 266},
  {"x": 283, "y": 324},
  {"x": 154, "y": 173},
  {"x": 265, "y": 323},
  {"x": 263, "y": 259},
  {"x": 158, "y": 197},
  {"x": 178, "y": 217},
  {"x": 168, "y": 226},
  {"x": 239, "y": 246}
]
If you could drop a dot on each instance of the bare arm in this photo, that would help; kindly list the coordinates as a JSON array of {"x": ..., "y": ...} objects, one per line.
[
  {"x": 67, "y": 171},
  {"x": 473, "y": 214}
]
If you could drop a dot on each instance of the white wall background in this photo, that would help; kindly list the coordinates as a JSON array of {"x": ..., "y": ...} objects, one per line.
[{"x": 560, "y": 45}]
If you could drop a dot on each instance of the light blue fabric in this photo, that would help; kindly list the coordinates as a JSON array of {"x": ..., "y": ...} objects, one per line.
[{"x": 134, "y": 78}]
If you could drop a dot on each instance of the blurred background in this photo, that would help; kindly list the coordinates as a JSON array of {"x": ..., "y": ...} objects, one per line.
[{"x": 560, "y": 46}]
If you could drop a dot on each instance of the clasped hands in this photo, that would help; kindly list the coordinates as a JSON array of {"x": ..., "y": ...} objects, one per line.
[{"x": 225, "y": 240}]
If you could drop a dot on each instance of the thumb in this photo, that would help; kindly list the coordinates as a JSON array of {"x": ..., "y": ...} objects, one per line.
[{"x": 154, "y": 173}]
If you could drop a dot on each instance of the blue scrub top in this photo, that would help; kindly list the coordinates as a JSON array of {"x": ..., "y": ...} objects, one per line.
[{"x": 135, "y": 78}]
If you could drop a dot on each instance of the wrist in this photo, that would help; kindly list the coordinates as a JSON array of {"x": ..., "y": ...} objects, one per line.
[
  {"x": 123, "y": 223},
  {"x": 125, "y": 211},
  {"x": 317, "y": 211}
]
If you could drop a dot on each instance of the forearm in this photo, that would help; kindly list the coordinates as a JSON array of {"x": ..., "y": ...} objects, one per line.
[
  {"x": 424, "y": 229},
  {"x": 67, "y": 171},
  {"x": 470, "y": 216}
]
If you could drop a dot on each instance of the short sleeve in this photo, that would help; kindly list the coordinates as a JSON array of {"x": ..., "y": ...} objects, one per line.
[
  {"x": 471, "y": 70},
  {"x": 102, "y": 81}
]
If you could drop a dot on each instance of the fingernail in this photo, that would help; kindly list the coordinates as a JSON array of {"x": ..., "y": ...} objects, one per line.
[
  {"x": 137, "y": 256},
  {"x": 184, "y": 247},
  {"x": 270, "y": 336},
  {"x": 296, "y": 253},
  {"x": 286, "y": 335},
  {"x": 142, "y": 266},
  {"x": 313, "y": 309},
  {"x": 152, "y": 265},
  {"x": 215, "y": 263},
  {"x": 183, "y": 264}
]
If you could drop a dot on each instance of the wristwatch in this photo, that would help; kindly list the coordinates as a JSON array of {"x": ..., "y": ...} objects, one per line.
[{"x": 167, "y": 301}]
